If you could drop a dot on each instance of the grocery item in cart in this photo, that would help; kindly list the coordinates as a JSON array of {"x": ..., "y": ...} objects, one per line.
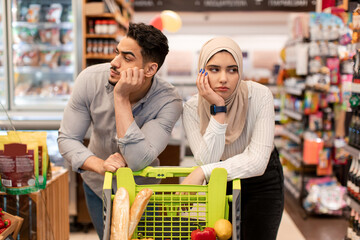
[{"x": 120, "y": 215}]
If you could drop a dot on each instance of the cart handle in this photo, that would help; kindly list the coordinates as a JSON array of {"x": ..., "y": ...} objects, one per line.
[{"x": 164, "y": 172}]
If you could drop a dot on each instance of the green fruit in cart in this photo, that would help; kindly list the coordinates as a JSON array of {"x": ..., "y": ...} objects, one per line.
[
  {"x": 203, "y": 234},
  {"x": 223, "y": 229}
]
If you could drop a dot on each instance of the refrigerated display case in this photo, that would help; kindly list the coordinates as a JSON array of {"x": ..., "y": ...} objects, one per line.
[
  {"x": 3, "y": 82},
  {"x": 42, "y": 55}
]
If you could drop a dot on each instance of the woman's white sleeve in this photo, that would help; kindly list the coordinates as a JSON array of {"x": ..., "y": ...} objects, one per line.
[{"x": 208, "y": 148}]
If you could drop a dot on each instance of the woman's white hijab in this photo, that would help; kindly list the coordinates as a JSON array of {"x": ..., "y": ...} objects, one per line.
[{"x": 237, "y": 103}]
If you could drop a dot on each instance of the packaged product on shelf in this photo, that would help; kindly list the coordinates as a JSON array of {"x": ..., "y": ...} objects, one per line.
[
  {"x": 50, "y": 35},
  {"x": 24, "y": 34},
  {"x": 66, "y": 59},
  {"x": 313, "y": 145},
  {"x": 67, "y": 36},
  {"x": 334, "y": 64},
  {"x": 326, "y": 196},
  {"x": 49, "y": 58},
  {"x": 54, "y": 13},
  {"x": 18, "y": 165},
  {"x": 26, "y": 58},
  {"x": 324, "y": 168},
  {"x": 33, "y": 14},
  {"x": 43, "y": 157}
]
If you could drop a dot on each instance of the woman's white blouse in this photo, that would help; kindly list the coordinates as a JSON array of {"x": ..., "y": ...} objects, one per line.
[{"x": 246, "y": 157}]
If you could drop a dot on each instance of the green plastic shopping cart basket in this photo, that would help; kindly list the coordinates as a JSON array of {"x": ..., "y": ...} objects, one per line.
[{"x": 175, "y": 210}]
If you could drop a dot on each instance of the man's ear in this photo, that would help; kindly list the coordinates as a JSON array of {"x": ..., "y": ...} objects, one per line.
[{"x": 150, "y": 69}]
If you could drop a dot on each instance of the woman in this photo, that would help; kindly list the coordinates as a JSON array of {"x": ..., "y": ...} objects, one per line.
[{"x": 230, "y": 124}]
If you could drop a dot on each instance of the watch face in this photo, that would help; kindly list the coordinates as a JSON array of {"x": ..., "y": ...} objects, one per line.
[{"x": 212, "y": 110}]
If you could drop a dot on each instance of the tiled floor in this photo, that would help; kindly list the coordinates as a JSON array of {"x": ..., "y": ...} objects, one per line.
[{"x": 288, "y": 230}]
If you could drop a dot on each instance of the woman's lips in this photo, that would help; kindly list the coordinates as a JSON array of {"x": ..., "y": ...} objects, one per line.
[{"x": 222, "y": 89}]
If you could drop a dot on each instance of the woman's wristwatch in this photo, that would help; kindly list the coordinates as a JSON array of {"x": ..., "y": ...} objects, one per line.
[{"x": 216, "y": 109}]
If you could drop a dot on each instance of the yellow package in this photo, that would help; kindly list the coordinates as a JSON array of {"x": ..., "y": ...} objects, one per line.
[
  {"x": 40, "y": 138},
  {"x": 18, "y": 164}
]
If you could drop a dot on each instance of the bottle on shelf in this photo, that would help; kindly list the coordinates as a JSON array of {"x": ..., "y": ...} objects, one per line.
[
  {"x": 356, "y": 225},
  {"x": 351, "y": 175},
  {"x": 350, "y": 231},
  {"x": 357, "y": 183},
  {"x": 91, "y": 26}
]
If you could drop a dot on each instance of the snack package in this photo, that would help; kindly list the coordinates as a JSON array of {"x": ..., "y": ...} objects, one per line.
[
  {"x": 33, "y": 13},
  {"x": 67, "y": 36},
  {"x": 50, "y": 35},
  {"x": 26, "y": 58},
  {"x": 18, "y": 165},
  {"x": 54, "y": 13},
  {"x": 43, "y": 156},
  {"x": 24, "y": 34},
  {"x": 66, "y": 59},
  {"x": 49, "y": 58}
]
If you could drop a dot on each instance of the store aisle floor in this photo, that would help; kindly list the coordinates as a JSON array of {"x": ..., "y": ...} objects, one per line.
[{"x": 315, "y": 227}]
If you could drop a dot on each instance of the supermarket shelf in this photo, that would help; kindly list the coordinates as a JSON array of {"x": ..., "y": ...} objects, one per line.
[
  {"x": 353, "y": 151},
  {"x": 295, "y": 159},
  {"x": 102, "y": 15},
  {"x": 43, "y": 47},
  {"x": 100, "y": 56},
  {"x": 294, "y": 91},
  {"x": 291, "y": 187},
  {"x": 30, "y": 69},
  {"x": 43, "y": 25},
  {"x": 295, "y": 138},
  {"x": 295, "y": 115},
  {"x": 114, "y": 36},
  {"x": 352, "y": 203}
]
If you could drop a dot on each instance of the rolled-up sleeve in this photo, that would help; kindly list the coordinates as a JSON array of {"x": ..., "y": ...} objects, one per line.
[{"x": 141, "y": 146}]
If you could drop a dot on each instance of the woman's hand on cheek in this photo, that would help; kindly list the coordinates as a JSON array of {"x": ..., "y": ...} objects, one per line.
[{"x": 205, "y": 90}]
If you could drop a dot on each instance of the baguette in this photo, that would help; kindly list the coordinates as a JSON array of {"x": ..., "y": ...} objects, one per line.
[
  {"x": 138, "y": 208},
  {"x": 120, "y": 215}
]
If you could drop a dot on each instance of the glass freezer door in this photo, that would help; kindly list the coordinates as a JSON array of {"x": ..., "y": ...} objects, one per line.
[
  {"x": 3, "y": 78},
  {"x": 42, "y": 58}
]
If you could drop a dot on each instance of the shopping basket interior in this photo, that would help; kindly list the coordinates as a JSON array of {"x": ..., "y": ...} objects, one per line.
[{"x": 174, "y": 210}]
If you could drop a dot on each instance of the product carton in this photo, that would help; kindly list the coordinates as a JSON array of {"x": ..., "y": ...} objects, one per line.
[{"x": 94, "y": 8}]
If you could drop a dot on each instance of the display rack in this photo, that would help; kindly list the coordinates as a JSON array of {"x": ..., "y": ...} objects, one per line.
[
  {"x": 355, "y": 153},
  {"x": 99, "y": 45},
  {"x": 312, "y": 92}
]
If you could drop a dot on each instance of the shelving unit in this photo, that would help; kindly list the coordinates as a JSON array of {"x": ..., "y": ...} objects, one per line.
[
  {"x": 97, "y": 54},
  {"x": 355, "y": 153}
]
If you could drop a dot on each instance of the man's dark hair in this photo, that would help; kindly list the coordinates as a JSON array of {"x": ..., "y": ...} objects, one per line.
[{"x": 153, "y": 43}]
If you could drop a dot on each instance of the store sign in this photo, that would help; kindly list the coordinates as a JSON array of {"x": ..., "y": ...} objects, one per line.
[{"x": 225, "y": 5}]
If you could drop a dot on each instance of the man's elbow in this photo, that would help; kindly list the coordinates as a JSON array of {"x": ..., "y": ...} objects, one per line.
[{"x": 139, "y": 163}]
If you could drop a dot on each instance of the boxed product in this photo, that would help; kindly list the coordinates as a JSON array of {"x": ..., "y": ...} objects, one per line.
[
  {"x": 14, "y": 227},
  {"x": 93, "y": 8}
]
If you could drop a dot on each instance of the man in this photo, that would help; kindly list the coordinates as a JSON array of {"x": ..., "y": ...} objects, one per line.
[{"x": 131, "y": 111}]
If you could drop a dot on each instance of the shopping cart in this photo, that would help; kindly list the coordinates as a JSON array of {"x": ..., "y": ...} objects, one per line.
[{"x": 175, "y": 210}]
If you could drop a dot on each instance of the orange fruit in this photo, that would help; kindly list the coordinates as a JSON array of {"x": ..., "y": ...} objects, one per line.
[{"x": 223, "y": 229}]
